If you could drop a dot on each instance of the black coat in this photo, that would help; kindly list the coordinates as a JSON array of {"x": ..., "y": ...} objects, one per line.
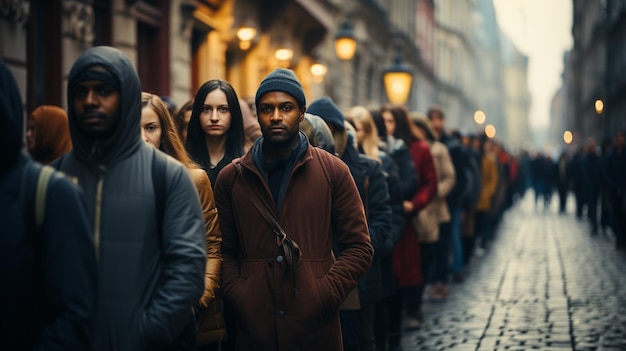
[
  {"x": 370, "y": 181},
  {"x": 48, "y": 274}
]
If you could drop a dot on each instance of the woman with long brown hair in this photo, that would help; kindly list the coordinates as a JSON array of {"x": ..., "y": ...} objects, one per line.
[{"x": 158, "y": 129}]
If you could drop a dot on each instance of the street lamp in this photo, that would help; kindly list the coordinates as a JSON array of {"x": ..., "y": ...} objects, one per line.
[
  {"x": 480, "y": 117},
  {"x": 568, "y": 137},
  {"x": 398, "y": 78},
  {"x": 599, "y": 105},
  {"x": 246, "y": 33},
  {"x": 284, "y": 53},
  {"x": 490, "y": 131},
  {"x": 318, "y": 70},
  {"x": 345, "y": 41}
]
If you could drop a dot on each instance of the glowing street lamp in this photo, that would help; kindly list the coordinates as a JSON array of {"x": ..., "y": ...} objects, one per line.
[
  {"x": 568, "y": 137},
  {"x": 398, "y": 79},
  {"x": 284, "y": 53},
  {"x": 599, "y": 105},
  {"x": 246, "y": 33},
  {"x": 480, "y": 117},
  {"x": 318, "y": 70},
  {"x": 490, "y": 131},
  {"x": 345, "y": 41}
]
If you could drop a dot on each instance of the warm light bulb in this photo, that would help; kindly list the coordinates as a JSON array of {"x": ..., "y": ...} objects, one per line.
[
  {"x": 490, "y": 131},
  {"x": 480, "y": 117},
  {"x": 246, "y": 33},
  {"x": 568, "y": 137},
  {"x": 318, "y": 69},
  {"x": 284, "y": 54},
  {"x": 599, "y": 105}
]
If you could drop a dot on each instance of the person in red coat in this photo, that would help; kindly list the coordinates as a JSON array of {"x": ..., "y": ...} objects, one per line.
[{"x": 406, "y": 255}]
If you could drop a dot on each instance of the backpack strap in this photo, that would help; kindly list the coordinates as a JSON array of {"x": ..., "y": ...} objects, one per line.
[
  {"x": 42, "y": 189},
  {"x": 159, "y": 165},
  {"x": 33, "y": 189},
  {"x": 30, "y": 175}
]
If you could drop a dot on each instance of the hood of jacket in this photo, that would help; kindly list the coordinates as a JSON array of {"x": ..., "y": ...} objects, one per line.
[
  {"x": 126, "y": 138},
  {"x": 11, "y": 119}
]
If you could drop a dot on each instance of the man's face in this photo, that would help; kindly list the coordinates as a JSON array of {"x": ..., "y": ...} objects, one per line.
[
  {"x": 96, "y": 105},
  {"x": 437, "y": 121},
  {"x": 279, "y": 116}
]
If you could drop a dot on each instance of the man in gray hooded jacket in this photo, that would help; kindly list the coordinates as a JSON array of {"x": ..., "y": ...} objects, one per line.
[{"x": 150, "y": 269}]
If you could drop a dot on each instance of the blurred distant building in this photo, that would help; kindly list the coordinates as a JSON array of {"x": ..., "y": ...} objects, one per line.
[
  {"x": 455, "y": 61},
  {"x": 569, "y": 90},
  {"x": 451, "y": 46},
  {"x": 558, "y": 124},
  {"x": 516, "y": 129},
  {"x": 585, "y": 73},
  {"x": 615, "y": 112},
  {"x": 489, "y": 82}
]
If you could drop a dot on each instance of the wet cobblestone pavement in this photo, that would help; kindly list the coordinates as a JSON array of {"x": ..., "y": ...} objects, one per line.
[{"x": 544, "y": 284}]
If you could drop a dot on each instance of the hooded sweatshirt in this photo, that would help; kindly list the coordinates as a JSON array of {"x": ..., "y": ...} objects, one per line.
[
  {"x": 148, "y": 279},
  {"x": 48, "y": 272}
]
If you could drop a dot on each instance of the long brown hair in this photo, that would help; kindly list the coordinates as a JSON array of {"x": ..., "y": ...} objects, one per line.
[
  {"x": 404, "y": 126},
  {"x": 171, "y": 143}
]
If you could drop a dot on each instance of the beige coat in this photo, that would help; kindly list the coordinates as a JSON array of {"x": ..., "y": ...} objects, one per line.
[{"x": 427, "y": 220}]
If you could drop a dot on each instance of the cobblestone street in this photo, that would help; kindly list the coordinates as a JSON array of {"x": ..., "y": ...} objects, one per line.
[{"x": 544, "y": 284}]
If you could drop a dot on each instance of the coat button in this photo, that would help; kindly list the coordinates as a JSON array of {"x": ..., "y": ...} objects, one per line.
[
  {"x": 281, "y": 313},
  {"x": 279, "y": 258}
]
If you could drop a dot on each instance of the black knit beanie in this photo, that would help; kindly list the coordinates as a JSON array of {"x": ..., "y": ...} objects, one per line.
[
  {"x": 284, "y": 80},
  {"x": 326, "y": 108}
]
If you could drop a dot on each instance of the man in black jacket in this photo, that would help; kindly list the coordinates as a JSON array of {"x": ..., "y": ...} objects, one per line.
[{"x": 47, "y": 261}]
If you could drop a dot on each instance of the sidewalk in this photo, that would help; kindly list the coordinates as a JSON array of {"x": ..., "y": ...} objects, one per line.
[{"x": 544, "y": 284}]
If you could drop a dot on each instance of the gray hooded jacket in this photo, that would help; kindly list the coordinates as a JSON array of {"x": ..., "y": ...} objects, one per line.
[{"x": 147, "y": 283}]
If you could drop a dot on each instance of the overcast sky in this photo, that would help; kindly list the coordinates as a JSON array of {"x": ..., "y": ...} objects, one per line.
[{"x": 541, "y": 29}]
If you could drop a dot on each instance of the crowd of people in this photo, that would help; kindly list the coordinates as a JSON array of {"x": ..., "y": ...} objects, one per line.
[
  {"x": 223, "y": 225},
  {"x": 596, "y": 175}
]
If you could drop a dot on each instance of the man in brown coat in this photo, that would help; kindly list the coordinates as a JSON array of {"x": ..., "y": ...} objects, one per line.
[{"x": 286, "y": 291}]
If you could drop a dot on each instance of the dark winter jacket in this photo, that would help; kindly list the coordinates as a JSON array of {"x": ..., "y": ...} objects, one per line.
[
  {"x": 399, "y": 153},
  {"x": 396, "y": 199},
  {"x": 370, "y": 181},
  {"x": 48, "y": 273},
  {"x": 460, "y": 160},
  {"x": 148, "y": 279}
]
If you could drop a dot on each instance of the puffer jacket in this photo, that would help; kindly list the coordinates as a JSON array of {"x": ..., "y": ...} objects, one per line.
[{"x": 148, "y": 279}]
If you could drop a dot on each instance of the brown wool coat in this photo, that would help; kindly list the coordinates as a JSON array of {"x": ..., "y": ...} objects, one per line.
[{"x": 269, "y": 315}]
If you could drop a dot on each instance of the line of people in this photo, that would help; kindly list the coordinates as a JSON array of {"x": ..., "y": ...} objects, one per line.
[
  {"x": 596, "y": 176},
  {"x": 218, "y": 226}
]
